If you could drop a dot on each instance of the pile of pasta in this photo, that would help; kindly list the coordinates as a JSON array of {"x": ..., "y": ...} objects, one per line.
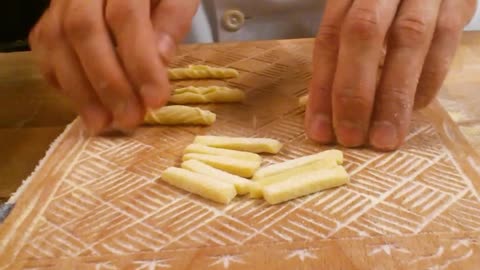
[
  {"x": 179, "y": 113},
  {"x": 218, "y": 168}
]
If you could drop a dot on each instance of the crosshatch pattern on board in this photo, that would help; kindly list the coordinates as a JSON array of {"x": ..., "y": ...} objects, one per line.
[{"x": 110, "y": 204}]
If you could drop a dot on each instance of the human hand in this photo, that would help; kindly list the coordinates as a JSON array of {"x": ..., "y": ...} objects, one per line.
[
  {"x": 345, "y": 101},
  {"x": 109, "y": 56}
]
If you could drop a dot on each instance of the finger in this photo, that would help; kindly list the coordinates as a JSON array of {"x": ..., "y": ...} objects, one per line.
[
  {"x": 318, "y": 123},
  {"x": 75, "y": 86},
  {"x": 410, "y": 38},
  {"x": 39, "y": 39},
  {"x": 87, "y": 33},
  {"x": 172, "y": 20},
  {"x": 446, "y": 39},
  {"x": 71, "y": 79},
  {"x": 133, "y": 32},
  {"x": 361, "y": 46}
]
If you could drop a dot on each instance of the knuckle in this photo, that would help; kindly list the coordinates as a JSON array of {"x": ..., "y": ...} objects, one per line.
[
  {"x": 320, "y": 92},
  {"x": 363, "y": 24},
  {"x": 46, "y": 31},
  {"x": 327, "y": 38},
  {"x": 79, "y": 25},
  {"x": 118, "y": 12},
  {"x": 448, "y": 26},
  {"x": 398, "y": 99},
  {"x": 410, "y": 31},
  {"x": 353, "y": 102}
]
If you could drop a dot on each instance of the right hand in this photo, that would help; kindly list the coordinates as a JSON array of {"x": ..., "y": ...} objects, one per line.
[{"x": 110, "y": 56}]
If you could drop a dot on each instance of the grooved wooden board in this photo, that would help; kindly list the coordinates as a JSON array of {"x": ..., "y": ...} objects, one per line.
[{"x": 96, "y": 203}]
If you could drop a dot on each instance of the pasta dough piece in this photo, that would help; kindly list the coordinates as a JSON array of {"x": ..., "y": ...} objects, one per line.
[
  {"x": 304, "y": 184},
  {"x": 299, "y": 162},
  {"x": 302, "y": 101},
  {"x": 240, "y": 167},
  {"x": 255, "y": 145},
  {"x": 257, "y": 190},
  {"x": 210, "y": 94},
  {"x": 201, "y": 72},
  {"x": 242, "y": 185},
  {"x": 203, "y": 185},
  {"x": 203, "y": 149},
  {"x": 180, "y": 115}
]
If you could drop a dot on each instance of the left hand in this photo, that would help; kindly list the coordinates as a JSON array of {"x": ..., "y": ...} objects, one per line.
[{"x": 345, "y": 102}]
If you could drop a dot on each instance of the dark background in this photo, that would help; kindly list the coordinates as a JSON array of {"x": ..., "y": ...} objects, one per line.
[{"x": 17, "y": 17}]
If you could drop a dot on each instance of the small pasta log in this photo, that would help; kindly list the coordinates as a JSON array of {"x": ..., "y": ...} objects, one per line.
[
  {"x": 304, "y": 184},
  {"x": 255, "y": 145},
  {"x": 203, "y": 149},
  {"x": 179, "y": 115},
  {"x": 242, "y": 185},
  {"x": 299, "y": 162},
  {"x": 201, "y": 72},
  {"x": 210, "y": 94},
  {"x": 302, "y": 101},
  {"x": 202, "y": 185},
  {"x": 315, "y": 166},
  {"x": 240, "y": 167}
]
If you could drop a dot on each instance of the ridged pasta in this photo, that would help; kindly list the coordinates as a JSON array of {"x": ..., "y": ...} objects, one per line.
[
  {"x": 304, "y": 184},
  {"x": 209, "y": 94},
  {"x": 255, "y": 145},
  {"x": 201, "y": 72},
  {"x": 200, "y": 184},
  {"x": 179, "y": 115}
]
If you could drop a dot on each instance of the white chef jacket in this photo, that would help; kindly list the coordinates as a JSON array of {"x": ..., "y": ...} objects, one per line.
[{"x": 235, "y": 20}]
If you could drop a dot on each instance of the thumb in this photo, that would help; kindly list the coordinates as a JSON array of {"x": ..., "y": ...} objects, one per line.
[{"x": 171, "y": 21}]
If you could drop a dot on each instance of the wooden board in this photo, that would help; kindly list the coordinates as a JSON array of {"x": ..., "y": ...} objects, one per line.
[{"x": 96, "y": 203}]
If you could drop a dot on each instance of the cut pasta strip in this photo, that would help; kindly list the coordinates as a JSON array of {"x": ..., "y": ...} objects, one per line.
[
  {"x": 304, "y": 184},
  {"x": 179, "y": 115},
  {"x": 210, "y": 94},
  {"x": 203, "y": 149},
  {"x": 299, "y": 162},
  {"x": 201, "y": 72},
  {"x": 200, "y": 184},
  {"x": 240, "y": 167},
  {"x": 255, "y": 145},
  {"x": 256, "y": 191},
  {"x": 242, "y": 185}
]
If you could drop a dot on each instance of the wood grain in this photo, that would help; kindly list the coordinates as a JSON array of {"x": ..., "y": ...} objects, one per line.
[{"x": 96, "y": 203}]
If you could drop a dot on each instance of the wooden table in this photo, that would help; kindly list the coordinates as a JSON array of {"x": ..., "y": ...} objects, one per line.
[{"x": 32, "y": 115}]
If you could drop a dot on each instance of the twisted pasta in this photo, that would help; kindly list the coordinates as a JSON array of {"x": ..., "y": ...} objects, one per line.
[
  {"x": 179, "y": 115},
  {"x": 196, "y": 95},
  {"x": 201, "y": 72}
]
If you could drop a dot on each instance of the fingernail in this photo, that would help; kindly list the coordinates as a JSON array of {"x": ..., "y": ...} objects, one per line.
[
  {"x": 350, "y": 134},
  {"x": 384, "y": 136},
  {"x": 152, "y": 96},
  {"x": 95, "y": 119},
  {"x": 320, "y": 129},
  {"x": 166, "y": 47}
]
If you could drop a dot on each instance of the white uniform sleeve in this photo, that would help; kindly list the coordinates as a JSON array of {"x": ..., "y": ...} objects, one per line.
[
  {"x": 264, "y": 19},
  {"x": 474, "y": 24},
  {"x": 201, "y": 31}
]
